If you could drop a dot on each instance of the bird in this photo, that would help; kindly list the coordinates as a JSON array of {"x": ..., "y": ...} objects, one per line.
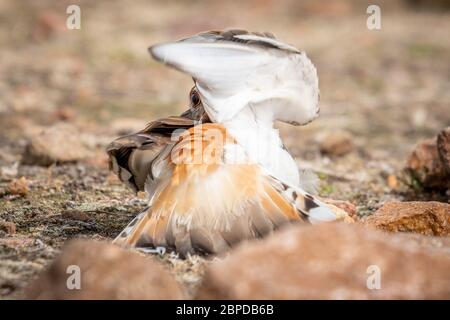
[
  {"x": 131, "y": 156},
  {"x": 218, "y": 182}
]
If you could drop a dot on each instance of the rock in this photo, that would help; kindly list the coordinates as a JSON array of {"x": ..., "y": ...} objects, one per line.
[
  {"x": 17, "y": 241},
  {"x": 428, "y": 242},
  {"x": 106, "y": 272},
  {"x": 337, "y": 143},
  {"x": 443, "y": 145},
  {"x": 75, "y": 215},
  {"x": 18, "y": 187},
  {"x": 347, "y": 206},
  {"x": 47, "y": 24},
  {"x": 64, "y": 114},
  {"x": 428, "y": 218},
  {"x": 8, "y": 227},
  {"x": 426, "y": 163},
  {"x": 58, "y": 144},
  {"x": 330, "y": 261},
  {"x": 392, "y": 182}
]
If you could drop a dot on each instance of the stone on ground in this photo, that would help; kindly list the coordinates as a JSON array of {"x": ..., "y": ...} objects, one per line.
[
  {"x": 427, "y": 218},
  {"x": 106, "y": 272},
  {"x": 331, "y": 261}
]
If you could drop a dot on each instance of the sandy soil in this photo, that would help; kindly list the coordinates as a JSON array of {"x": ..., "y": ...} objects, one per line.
[{"x": 388, "y": 88}]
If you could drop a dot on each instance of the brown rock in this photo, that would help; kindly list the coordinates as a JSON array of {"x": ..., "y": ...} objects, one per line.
[
  {"x": 106, "y": 272},
  {"x": 17, "y": 241},
  {"x": 428, "y": 218},
  {"x": 337, "y": 143},
  {"x": 330, "y": 261},
  {"x": 75, "y": 215},
  {"x": 57, "y": 144},
  {"x": 425, "y": 165},
  {"x": 47, "y": 24},
  {"x": 64, "y": 114},
  {"x": 8, "y": 227},
  {"x": 347, "y": 206},
  {"x": 443, "y": 145},
  {"x": 18, "y": 187}
]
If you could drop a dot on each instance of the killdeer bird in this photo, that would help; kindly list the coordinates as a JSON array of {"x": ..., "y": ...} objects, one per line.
[{"x": 230, "y": 179}]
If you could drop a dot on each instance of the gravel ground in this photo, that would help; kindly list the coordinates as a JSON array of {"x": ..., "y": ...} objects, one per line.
[{"x": 387, "y": 89}]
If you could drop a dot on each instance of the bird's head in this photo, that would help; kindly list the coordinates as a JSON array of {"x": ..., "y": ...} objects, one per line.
[{"x": 196, "y": 111}]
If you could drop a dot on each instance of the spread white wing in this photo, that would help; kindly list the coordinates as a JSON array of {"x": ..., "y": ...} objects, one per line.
[{"x": 236, "y": 69}]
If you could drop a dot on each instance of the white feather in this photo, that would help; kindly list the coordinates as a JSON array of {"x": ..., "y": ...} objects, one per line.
[
  {"x": 231, "y": 76},
  {"x": 247, "y": 86}
]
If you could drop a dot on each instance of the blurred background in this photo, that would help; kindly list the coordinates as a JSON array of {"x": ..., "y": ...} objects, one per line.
[{"x": 382, "y": 91}]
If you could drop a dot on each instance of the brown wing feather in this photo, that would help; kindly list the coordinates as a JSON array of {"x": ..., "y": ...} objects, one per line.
[{"x": 131, "y": 156}]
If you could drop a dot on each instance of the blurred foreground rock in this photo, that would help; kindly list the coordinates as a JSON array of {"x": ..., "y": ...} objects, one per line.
[
  {"x": 57, "y": 144},
  {"x": 428, "y": 218},
  {"x": 106, "y": 272},
  {"x": 331, "y": 261},
  {"x": 336, "y": 143},
  {"x": 429, "y": 162}
]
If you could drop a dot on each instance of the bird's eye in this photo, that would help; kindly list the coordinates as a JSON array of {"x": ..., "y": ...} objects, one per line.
[{"x": 195, "y": 98}]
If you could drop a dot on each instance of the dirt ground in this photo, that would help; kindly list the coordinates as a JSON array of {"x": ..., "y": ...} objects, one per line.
[{"x": 388, "y": 88}]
